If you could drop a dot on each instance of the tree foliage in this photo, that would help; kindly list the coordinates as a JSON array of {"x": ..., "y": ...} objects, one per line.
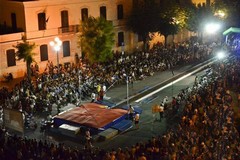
[
  {"x": 143, "y": 19},
  {"x": 231, "y": 11},
  {"x": 198, "y": 16},
  {"x": 25, "y": 52},
  {"x": 172, "y": 19},
  {"x": 96, "y": 39}
]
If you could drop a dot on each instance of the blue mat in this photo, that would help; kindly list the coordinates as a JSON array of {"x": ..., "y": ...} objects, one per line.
[
  {"x": 137, "y": 109},
  {"x": 123, "y": 125}
]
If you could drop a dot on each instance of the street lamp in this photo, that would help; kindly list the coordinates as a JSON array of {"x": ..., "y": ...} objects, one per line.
[
  {"x": 221, "y": 55},
  {"x": 212, "y": 28},
  {"x": 56, "y": 44}
]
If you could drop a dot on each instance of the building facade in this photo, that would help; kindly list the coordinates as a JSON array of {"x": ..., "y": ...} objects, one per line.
[{"x": 43, "y": 20}]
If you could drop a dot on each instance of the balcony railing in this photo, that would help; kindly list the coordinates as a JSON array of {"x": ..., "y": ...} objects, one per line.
[
  {"x": 9, "y": 30},
  {"x": 69, "y": 29}
]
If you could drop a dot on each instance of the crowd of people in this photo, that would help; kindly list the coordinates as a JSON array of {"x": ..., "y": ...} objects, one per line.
[
  {"x": 74, "y": 82},
  {"x": 206, "y": 130}
]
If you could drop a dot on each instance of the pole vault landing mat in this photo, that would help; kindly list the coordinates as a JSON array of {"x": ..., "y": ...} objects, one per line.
[
  {"x": 123, "y": 125},
  {"x": 92, "y": 115}
]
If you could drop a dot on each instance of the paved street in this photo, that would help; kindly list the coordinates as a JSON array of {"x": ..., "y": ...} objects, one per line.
[{"x": 118, "y": 94}]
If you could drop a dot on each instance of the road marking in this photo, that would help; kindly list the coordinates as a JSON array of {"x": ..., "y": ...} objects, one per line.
[{"x": 173, "y": 82}]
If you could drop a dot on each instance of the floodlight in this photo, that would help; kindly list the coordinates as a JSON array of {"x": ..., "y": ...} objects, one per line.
[
  {"x": 212, "y": 28},
  {"x": 221, "y": 55}
]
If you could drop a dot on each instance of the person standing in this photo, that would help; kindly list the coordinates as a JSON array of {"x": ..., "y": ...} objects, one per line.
[
  {"x": 136, "y": 120},
  {"x": 101, "y": 94},
  {"x": 165, "y": 101},
  {"x": 104, "y": 88},
  {"x": 93, "y": 97},
  {"x": 88, "y": 138},
  {"x": 131, "y": 112},
  {"x": 142, "y": 157},
  {"x": 161, "y": 111},
  {"x": 98, "y": 89}
]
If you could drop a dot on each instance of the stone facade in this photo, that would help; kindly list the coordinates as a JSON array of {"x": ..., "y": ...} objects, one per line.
[{"x": 43, "y": 20}]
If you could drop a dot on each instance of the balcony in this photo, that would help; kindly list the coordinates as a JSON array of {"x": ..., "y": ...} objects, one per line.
[
  {"x": 69, "y": 29},
  {"x": 9, "y": 30}
]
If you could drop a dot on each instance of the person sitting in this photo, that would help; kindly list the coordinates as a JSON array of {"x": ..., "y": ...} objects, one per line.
[{"x": 8, "y": 77}]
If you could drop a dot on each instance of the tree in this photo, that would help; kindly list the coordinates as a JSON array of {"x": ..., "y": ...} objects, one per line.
[
  {"x": 197, "y": 17},
  {"x": 96, "y": 39},
  {"x": 143, "y": 19},
  {"x": 228, "y": 11},
  {"x": 172, "y": 18},
  {"x": 25, "y": 53}
]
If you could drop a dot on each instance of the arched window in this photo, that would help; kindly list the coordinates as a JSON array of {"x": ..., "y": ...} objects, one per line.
[
  {"x": 103, "y": 12},
  {"x": 14, "y": 21},
  {"x": 84, "y": 13},
  {"x": 120, "y": 11},
  {"x": 64, "y": 18},
  {"x": 44, "y": 52},
  {"x": 41, "y": 21},
  {"x": 11, "y": 60},
  {"x": 66, "y": 49}
]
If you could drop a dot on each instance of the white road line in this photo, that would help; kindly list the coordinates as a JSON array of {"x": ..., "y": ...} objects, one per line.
[{"x": 173, "y": 82}]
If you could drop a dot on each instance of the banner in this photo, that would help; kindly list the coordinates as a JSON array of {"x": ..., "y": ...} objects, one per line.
[{"x": 13, "y": 119}]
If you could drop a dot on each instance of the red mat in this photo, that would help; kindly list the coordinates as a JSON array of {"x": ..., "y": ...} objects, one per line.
[{"x": 92, "y": 115}]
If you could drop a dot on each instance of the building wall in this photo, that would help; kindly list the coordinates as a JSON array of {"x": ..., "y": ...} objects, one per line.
[
  {"x": 202, "y": 1},
  {"x": 8, "y": 7},
  {"x": 27, "y": 17}
]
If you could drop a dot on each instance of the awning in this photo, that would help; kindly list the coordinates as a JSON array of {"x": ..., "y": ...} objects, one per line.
[{"x": 231, "y": 30}]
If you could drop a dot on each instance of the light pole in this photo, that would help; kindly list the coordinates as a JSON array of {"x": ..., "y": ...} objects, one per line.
[
  {"x": 127, "y": 92},
  {"x": 79, "y": 85},
  {"x": 127, "y": 81},
  {"x": 56, "y": 44},
  {"x": 122, "y": 48}
]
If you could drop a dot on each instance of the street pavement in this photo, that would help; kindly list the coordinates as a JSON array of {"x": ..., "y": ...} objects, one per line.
[{"x": 118, "y": 94}]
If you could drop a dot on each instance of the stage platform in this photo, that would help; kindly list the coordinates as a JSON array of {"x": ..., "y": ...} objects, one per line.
[{"x": 91, "y": 115}]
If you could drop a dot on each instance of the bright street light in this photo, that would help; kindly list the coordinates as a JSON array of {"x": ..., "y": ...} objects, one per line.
[
  {"x": 212, "y": 28},
  {"x": 221, "y": 55},
  {"x": 56, "y": 44}
]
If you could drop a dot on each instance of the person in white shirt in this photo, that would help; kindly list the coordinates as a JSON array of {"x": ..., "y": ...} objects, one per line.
[
  {"x": 104, "y": 89},
  {"x": 136, "y": 120},
  {"x": 93, "y": 97},
  {"x": 165, "y": 101}
]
